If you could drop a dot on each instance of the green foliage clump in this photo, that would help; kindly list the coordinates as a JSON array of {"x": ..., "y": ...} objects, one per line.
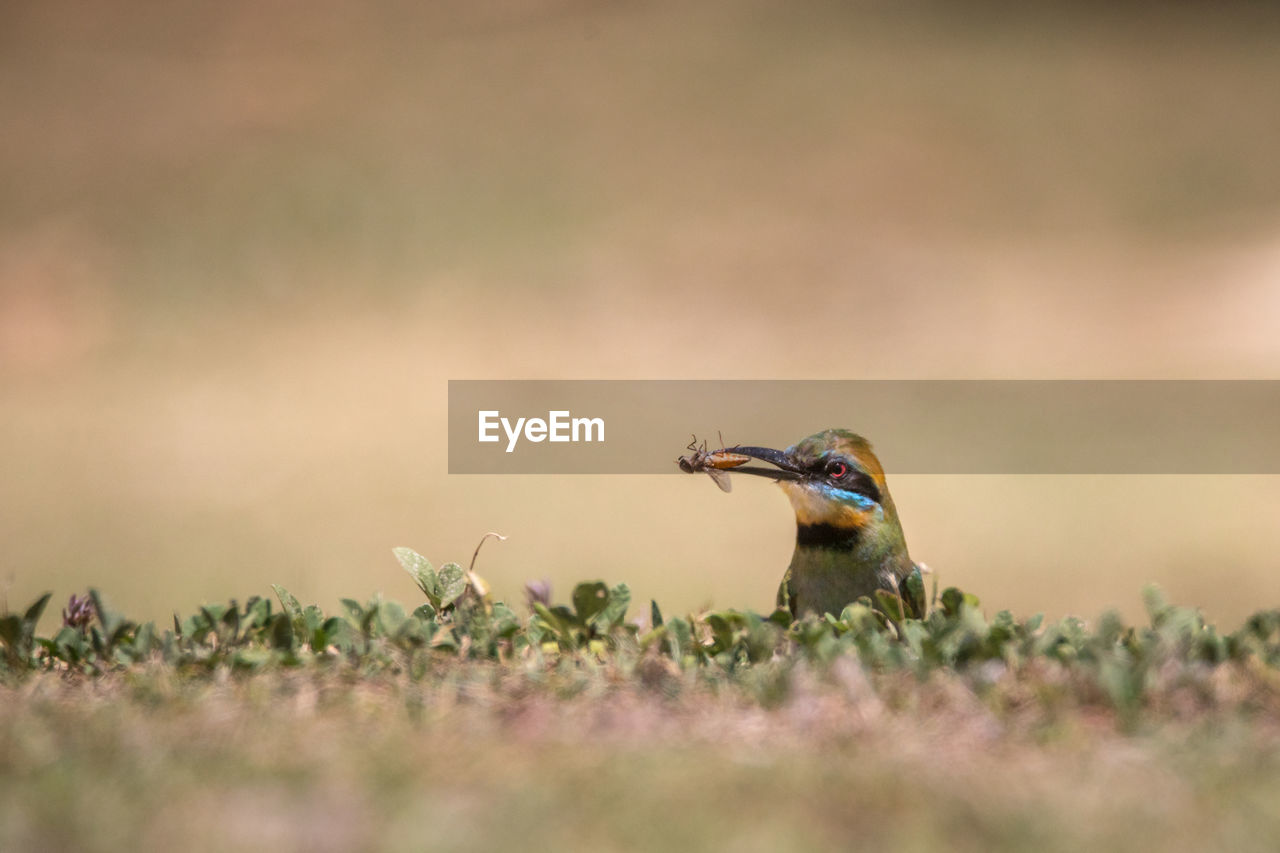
[{"x": 1121, "y": 665}]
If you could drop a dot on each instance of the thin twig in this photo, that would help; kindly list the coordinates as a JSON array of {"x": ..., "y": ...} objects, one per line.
[{"x": 498, "y": 536}]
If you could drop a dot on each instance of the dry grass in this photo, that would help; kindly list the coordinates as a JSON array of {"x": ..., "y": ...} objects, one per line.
[{"x": 336, "y": 762}]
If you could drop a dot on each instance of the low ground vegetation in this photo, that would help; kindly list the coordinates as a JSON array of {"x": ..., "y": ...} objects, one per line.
[{"x": 468, "y": 723}]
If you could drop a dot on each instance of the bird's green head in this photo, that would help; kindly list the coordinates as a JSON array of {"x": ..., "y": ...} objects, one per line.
[{"x": 837, "y": 488}]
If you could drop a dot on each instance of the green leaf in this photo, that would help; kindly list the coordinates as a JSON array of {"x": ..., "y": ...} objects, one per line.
[
  {"x": 589, "y": 599},
  {"x": 257, "y": 611},
  {"x": 655, "y": 614},
  {"x": 615, "y": 611},
  {"x": 1154, "y": 600},
  {"x": 32, "y": 616},
  {"x": 679, "y": 638},
  {"x": 505, "y": 621},
  {"x": 313, "y": 617},
  {"x": 231, "y": 618},
  {"x": 213, "y": 614},
  {"x": 334, "y": 631},
  {"x": 422, "y": 572},
  {"x": 144, "y": 640},
  {"x": 555, "y": 621},
  {"x": 354, "y": 609},
  {"x": 859, "y": 618},
  {"x": 453, "y": 583},
  {"x": 69, "y": 645},
  {"x": 287, "y": 601},
  {"x": 392, "y": 617},
  {"x": 953, "y": 600},
  {"x": 721, "y": 631},
  {"x": 280, "y": 632},
  {"x": 912, "y": 589},
  {"x": 370, "y": 617},
  {"x": 782, "y": 618},
  {"x": 763, "y": 638},
  {"x": 108, "y": 620},
  {"x": 890, "y": 604}
]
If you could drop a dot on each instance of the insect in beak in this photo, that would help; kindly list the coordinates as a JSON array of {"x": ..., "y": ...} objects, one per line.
[{"x": 714, "y": 463}]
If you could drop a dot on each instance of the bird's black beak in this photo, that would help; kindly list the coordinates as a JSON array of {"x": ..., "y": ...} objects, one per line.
[{"x": 786, "y": 468}]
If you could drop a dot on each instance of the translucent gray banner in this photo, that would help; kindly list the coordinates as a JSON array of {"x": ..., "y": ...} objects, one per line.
[{"x": 916, "y": 426}]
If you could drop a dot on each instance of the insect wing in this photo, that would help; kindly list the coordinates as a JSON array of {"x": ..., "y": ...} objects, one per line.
[{"x": 721, "y": 478}]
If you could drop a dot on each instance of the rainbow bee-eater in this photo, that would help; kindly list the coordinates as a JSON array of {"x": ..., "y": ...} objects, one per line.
[{"x": 849, "y": 542}]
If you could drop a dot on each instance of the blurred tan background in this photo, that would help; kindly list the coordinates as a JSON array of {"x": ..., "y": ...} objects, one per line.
[{"x": 243, "y": 246}]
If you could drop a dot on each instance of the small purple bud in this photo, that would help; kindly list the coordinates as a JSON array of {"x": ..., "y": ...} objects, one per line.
[
  {"x": 78, "y": 612},
  {"x": 538, "y": 591}
]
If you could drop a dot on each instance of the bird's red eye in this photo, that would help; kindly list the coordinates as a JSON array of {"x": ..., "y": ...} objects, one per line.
[{"x": 837, "y": 470}]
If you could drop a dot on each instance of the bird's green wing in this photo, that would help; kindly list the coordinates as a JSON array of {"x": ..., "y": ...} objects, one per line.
[{"x": 786, "y": 601}]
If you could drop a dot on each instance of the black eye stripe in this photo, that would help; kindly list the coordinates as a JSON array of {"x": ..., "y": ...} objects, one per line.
[
  {"x": 857, "y": 481},
  {"x": 863, "y": 484}
]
